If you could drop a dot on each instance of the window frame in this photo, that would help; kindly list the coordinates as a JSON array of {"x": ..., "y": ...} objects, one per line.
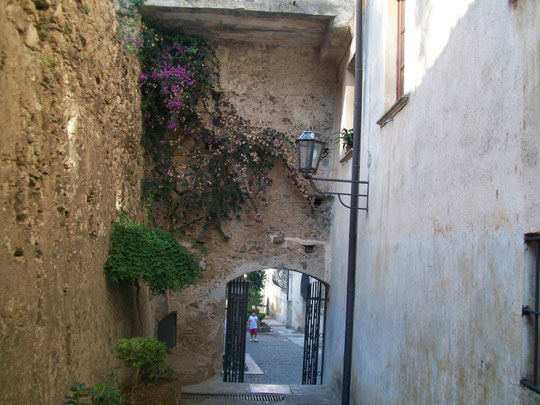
[{"x": 400, "y": 54}]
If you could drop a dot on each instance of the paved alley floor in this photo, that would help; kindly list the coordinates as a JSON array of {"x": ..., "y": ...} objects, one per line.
[
  {"x": 274, "y": 375},
  {"x": 278, "y": 354}
]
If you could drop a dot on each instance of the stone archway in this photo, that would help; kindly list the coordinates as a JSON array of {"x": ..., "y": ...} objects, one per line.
[
  {"x": 304, "y": 256},
  {"x": 285, "y": 232},
  {"x": 201, "y": 309}
]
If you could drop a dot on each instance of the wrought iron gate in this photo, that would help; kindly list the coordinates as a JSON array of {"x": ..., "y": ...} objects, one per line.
[
  {"x": 312, "y": 368},
  {"x": 235, "y": 330}
]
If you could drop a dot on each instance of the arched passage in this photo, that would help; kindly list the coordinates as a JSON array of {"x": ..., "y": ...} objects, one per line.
[
  {"x": 201, "y": 308},
  {"x": 299, "y": 338}
]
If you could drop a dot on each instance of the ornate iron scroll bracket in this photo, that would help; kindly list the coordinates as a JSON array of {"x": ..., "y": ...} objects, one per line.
[{"x": 339, "y": 194}]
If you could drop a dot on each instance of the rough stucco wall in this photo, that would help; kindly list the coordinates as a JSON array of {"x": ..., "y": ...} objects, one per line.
[
  {"x": 69, "y": 145},
  {"x": 284, "y": 87},
  {"x": 453, "y": 188}
]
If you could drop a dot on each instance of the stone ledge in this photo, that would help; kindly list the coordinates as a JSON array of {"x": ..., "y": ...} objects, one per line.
[
  {"x": 322, "y": 24},
  {"x": 393, "y": 110},
  {"x": 346, "y": 157}
]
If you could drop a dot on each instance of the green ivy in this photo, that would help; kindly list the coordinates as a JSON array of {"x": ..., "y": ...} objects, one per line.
[{"x": 152, "y": 256}]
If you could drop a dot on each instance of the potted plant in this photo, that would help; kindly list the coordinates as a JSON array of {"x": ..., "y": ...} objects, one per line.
[{"x": 346, "y": 135}]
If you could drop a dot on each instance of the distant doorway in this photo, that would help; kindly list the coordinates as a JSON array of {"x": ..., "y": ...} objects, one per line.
[{"x": 290, "y": 344}]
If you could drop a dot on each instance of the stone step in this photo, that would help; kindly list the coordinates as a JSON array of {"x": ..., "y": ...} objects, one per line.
[{"x": 215, "y": 392}]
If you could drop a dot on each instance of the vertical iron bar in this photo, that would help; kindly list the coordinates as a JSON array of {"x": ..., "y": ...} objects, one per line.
[
  {"x": 229, "y": 332},
  {"x": 236, "y": 302},
  {"x": 353, "y": 212},
  {"x": 312, "y": 347},
  {"x": 237, "y": 299},
  {"x": 306, "y": 339},
  {"x": 231, "y": 361},
  {"x": 243, "y": 326},
  {"x": 318, "y": 329},
  {"x": 233, "y": 333},
  {"x": 224, "y": 366},
  {"x": 536, "y": 303},
  {"x": 324, "y": 330},
  {"x": 308, "y": 333},
  {"x": 310, "y": 337},
  {"x": 317, "y": 319},
  {"x": 227, "y": 359},
  {"x": 305, "y": 345}
]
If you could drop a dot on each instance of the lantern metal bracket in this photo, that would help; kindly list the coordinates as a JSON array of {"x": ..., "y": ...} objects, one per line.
[{"x": 329, "y": 193}]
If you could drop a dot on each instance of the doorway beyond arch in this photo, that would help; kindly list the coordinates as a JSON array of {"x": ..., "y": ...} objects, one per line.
[{"x": 306, "y": 327}]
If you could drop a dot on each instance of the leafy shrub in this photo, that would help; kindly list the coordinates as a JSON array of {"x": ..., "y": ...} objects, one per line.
[
  {"x": 144, "y": 354},
  {"x": 102, "y": 393},
  {"x": 151, "y": 255},
  {"x": 79, "y": 394},
  {"x": 107, "y": 394}
]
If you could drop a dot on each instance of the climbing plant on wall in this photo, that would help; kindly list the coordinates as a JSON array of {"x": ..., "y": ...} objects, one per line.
[
  {"x": 207, "y": 161},
  {"x": 152, "y": 256}
]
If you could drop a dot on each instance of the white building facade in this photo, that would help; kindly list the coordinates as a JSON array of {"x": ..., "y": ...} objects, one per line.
[
  {"x": 285, "y": 296},
  {"x": 452, "y": 159}
]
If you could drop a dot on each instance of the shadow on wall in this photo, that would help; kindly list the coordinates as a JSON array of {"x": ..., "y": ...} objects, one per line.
[{"x": 464, "y": 114}]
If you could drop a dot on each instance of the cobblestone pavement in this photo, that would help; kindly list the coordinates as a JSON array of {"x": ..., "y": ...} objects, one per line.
[{"x": 279, "y": 355}]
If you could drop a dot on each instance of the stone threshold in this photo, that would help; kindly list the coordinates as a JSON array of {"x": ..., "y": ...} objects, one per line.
[{"x": 218, "y": 387}]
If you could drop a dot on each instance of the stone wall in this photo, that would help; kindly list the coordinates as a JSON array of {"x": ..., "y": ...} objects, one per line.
[
  {"x": 285, "y": 88},
  {"x": 70, "y": 160}
]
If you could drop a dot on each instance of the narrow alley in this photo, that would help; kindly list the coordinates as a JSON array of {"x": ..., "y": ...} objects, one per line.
[
  {"x": 277, "y": 356},
  {"x": 273, "y": 374},
  {"x": 355, "y": 182}
]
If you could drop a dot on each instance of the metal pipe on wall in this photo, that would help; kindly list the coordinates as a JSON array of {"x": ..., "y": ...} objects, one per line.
[{"x": 353, "y": 219}]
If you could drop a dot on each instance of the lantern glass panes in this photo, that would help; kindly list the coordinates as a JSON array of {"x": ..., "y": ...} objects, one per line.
[{"x": 310, "y": 147}]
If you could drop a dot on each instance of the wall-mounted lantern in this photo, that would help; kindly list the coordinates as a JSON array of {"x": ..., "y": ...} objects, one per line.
[{"x": 311, "y": 148}]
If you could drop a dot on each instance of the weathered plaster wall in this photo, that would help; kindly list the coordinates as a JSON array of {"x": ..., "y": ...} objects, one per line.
[
  {"x": 286, "y": 88},
  {"x": 69, "y": 149},
  {"x": 453, "y": 188}
]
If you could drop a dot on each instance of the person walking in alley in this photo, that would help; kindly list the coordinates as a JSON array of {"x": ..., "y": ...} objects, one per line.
[{"x": 253, "y": 324}]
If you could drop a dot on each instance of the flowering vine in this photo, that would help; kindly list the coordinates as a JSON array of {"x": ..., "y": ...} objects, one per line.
[{"x": 207, "y": 161}]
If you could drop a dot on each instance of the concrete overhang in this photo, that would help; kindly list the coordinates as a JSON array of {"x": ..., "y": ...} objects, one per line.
[{"x": 320, "y": 24}]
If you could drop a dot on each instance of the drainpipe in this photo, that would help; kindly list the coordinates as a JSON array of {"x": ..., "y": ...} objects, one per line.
[{"x": 353, "y": 219}]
